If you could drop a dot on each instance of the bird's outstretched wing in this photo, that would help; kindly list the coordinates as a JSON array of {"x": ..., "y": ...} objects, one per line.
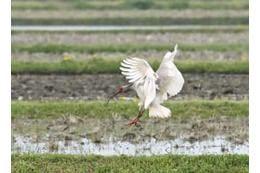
[
  {"x": 176, "y": 81},
  {"x": 140, "y": 73},
  {"x": 171, "y": 79}
]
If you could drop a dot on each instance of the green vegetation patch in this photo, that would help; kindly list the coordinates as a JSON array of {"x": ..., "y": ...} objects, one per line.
[
  {"x": 98, "y": 65},
  {"x": 60, "y": 48},
  {"x": 100, "y": 109},
  {"x": 133, "y": 21},
  {"x": 129, "y": 4},
  {"x": 166, "y": 163}
]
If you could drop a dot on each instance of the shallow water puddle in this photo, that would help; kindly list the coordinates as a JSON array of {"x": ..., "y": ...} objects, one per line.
[
  {"x": 112, "y": 28},
  {"x": 218, "y": 145}
]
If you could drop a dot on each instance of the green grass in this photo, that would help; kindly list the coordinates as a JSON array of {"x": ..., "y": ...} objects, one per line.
[
  {"x": 133, "y": 21},
  {"x": 35, "y": 5},
  {"x": 60, "y": 48},
  {"x": 166, "y": 163},
  {"x": 127, "y": 109},
  {"x": 99, "y": 65},
  {"x": 133, "y": 4}
]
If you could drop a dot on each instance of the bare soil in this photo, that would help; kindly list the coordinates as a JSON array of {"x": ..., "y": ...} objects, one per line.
[
  {"x": 170, "y": 38},
  {"x": 91, "y": 87}
]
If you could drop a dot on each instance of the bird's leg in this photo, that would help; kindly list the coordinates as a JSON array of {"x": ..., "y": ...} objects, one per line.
[{"x": 134, "y": 122}]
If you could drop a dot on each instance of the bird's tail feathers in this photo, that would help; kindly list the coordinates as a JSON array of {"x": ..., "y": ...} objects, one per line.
[{"x": 159, "y": 111}]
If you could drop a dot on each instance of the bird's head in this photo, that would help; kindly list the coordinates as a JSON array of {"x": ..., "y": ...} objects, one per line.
[
  {"x": 120, "y": 90},
  {"x": 169, "y": 56}
]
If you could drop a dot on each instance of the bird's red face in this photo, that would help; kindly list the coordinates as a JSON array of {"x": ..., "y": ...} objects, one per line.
[{"x": 120, "y": 89}]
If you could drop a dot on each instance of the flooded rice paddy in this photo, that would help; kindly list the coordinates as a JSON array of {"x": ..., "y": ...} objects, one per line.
[
  {"x": 217, "y": 145},
  {"x": 77, "y": 135},
  {"x": 114, "y": 28}
]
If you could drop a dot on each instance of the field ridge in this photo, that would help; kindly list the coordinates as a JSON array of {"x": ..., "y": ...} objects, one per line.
[
  {"x": 98, "y": 65},
  {"x": 100, "y": 109}
]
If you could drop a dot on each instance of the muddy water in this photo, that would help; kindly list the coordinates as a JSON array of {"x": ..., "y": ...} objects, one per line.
[
  {"x": 90, "y": 87},
  {"x": 121, "y": 28},
  {"x": 80, "y": 135}
]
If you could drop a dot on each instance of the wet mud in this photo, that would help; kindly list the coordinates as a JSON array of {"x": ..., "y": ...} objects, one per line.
[
  {"x": 70, "y": 127},
  {"x": 99, "y": 87}
]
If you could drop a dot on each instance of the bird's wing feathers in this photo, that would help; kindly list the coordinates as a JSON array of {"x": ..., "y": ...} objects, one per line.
[
  {"x": 176, "y": 82},
  {"x": 171, "y": 80},
  {"x": 139, "y": 72}
]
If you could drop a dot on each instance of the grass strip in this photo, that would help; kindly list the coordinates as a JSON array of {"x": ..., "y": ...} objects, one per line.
[
  {"x": 127, "y": 109},
  {"x": 60, "y": 48},
  {"x": 133, "y": 21},
  {"x": 94, "y": 163},
  {"x": 133, "y": 4},
  {"x": 98, "y": 65}
]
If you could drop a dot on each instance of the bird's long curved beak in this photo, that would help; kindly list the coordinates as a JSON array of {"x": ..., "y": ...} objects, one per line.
[{"x": 112, "y": 96}]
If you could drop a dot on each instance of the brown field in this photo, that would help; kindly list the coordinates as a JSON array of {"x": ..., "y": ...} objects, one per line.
[{"x": 91, "y": 87}]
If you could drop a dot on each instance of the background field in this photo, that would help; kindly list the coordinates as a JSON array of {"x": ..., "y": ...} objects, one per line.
[{"x": 62, "y": 78}]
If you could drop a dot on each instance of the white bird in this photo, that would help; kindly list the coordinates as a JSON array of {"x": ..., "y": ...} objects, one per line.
[{"x": 152, "y": 87}]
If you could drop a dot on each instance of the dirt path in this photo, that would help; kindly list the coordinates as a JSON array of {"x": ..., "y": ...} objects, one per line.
[{"x": 90, "y": 87}]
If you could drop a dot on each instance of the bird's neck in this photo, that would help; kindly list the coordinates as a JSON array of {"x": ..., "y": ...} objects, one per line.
[{"x": 127, "y": 87}]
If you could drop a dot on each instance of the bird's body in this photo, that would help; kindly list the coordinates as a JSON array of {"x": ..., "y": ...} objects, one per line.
[{"x": 152, "y": 87}]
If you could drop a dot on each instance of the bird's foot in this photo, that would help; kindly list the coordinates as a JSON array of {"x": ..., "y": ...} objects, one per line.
[{"x": 134, "y": 122}]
